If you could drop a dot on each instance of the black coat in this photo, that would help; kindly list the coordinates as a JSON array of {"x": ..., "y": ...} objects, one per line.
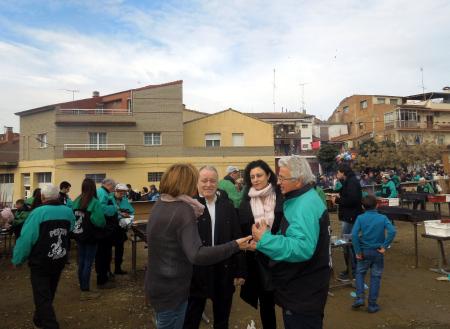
[
  {"x": 218, "y": 280},
  {"x": 349, "y": 200},
  {"x": 253, "y": 286}
]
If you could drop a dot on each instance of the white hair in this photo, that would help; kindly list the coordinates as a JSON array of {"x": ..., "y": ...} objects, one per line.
[
  {"x": 109, "y": 181},
  {"x": 299, "y": 168},
  {"x": 209, "y": 168},
  {"x": 50, "y": 192}
]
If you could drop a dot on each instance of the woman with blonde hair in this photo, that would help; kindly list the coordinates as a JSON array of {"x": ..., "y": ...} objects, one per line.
[{"x": 174, "y": 246}]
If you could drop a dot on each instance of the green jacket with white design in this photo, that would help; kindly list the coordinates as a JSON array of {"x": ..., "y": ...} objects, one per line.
[
  {"x": 300, "y": 253},
  {"x": 44, "y": 237}
]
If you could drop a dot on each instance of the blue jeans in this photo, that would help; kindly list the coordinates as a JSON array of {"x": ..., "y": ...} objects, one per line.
[
  {"x": 86, "y": 256},
  {"x": 172, "y": 319},
  {"x": 374, "y": 261},
  {"x": 347, "y": 228},
  {"x": 302, "y": 321}
]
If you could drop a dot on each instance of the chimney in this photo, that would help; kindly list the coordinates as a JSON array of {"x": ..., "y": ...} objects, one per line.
[
  {"x": 9, "y": 134},
  {"x": 95, "y": 94}
]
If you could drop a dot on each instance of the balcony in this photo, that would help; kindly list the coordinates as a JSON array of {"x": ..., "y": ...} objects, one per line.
[
  {"x": 94, "y": 152},
  {"x": 415, "y": 125},
  {"x": 105, "y": 117}
]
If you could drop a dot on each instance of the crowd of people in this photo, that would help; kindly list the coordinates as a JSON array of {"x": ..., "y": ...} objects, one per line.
[{"x": 268, "y": 234}]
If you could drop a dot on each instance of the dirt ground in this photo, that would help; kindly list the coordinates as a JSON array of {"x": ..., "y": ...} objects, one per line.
[{"x": 410, "y": 297}]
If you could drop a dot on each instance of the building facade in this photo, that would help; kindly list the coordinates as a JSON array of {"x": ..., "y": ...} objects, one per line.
[
  {"x": 131, "y": 136},
  {"x": 364, "y": 116}
]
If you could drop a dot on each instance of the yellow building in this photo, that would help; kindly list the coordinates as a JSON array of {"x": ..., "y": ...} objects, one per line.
[{"x": 131, "y": 136}]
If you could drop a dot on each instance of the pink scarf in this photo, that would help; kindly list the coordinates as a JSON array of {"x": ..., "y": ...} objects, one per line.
[
  {"x": 197, "y": 206},
  {"x": 262, "y": 203}
]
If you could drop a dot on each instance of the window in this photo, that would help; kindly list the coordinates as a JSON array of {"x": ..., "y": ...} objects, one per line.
[
  {"x": 97, "y": 140},
  {"x": 304, "y": 126},
  {"x": 129, "y": 105},
  {"x": 152, "y": 139},
  {"x": 440, "y": 139},
  {"x": 345, "y": 109},
  {"x": 6, "y": 178},
  {"x": 155, "y": 176},
  {"x": 363, "y": 105},
  {"x": 305, "y": 146},
  {"x": 381, "y": 100},
  {"x": 42, "y": 139},
  {"x": 97, "y": 178},
  {"x": 212, "y": 140},
  {"x": 238, "y": 139},
  {"x": 393, "y": 101},
  {"x": 44, "y": 177}
]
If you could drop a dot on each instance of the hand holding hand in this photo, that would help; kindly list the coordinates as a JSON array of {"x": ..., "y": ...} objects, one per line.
[
  {"x": 244, "y": 243},
  {"x": 258, "y": 230}
]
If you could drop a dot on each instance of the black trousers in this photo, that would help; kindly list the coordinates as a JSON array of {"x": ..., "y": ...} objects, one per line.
[
  {"x": 267, "y": 310},
  {"x": 44, "y": 286},
  {"x": 119, "y": 241},
  {"x": 302, "y": 321},
  {"x": 221, "y": 311},
  {"x": 103, "y": 260}
]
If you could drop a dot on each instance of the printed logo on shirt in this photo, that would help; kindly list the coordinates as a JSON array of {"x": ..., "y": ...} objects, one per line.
[
  {"x": 57, "y": 251},
  {"x": 79, "y": 215}
]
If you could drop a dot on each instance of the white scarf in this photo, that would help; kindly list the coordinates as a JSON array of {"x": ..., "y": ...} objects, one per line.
[{"x": 262, "y": 203}]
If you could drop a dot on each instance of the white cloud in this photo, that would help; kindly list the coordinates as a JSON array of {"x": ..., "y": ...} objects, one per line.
[{"x": 226, "y": 52}]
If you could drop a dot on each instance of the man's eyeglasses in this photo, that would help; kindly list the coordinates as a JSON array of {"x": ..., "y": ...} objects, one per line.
[{"x": 281, "y": 179}]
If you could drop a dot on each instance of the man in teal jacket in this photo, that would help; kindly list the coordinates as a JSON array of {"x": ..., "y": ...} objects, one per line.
[
  {"x": 44, "y": 241},
  {"x": 124, "y": 210},
  {"x": 300, "y": 251},
  {"x": 104, "y": 248},
  {"x": 228, "y": 184},
  {"x": 388, "y": 189}
]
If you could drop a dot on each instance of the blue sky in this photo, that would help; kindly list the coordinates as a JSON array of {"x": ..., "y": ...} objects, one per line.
[{"x": 225, "y": 51}]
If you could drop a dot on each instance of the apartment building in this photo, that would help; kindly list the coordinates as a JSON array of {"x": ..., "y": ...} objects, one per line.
[
  {"x": 419, "y": 119},
  {"x": 9, "y": 159},
  {"x": 292, "y": 131},
  {"x": 364, "y": 116},
  {"x": 132, "y": 136}
]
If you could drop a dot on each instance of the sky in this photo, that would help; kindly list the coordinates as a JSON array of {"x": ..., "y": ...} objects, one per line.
[{"x": 224, "y": 51}]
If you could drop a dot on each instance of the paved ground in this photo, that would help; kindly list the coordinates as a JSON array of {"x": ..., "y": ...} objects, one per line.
[{"x": 410, "y": 298}]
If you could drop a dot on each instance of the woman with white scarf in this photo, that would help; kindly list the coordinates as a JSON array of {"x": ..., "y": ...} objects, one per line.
[{"x": 262, "y": 201}]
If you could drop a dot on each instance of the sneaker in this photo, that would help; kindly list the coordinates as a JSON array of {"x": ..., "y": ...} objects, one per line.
[
  {"x": 358, "y": 303},
  {"x": 120, "y": 272},
  {"x": 89, "y": 295},
  {"x": 107, "y": 285},
  {"x": 373, "y": 308},
  {"x": 343, "y": 276}
]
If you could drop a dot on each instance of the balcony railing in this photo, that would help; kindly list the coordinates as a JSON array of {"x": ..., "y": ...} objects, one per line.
[
  {"x": 93, "y": 147},
  {"x": 95, "y": 111},
  {"x": 94, "y": 152},
  {"x": 415, "y": 125}
]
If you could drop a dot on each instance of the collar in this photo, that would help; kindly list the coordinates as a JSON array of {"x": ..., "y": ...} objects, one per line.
[
  {"x": 297, "y": 193},
  {"x": 52, "y": 203},
  {"x": 206, "y": 201}
]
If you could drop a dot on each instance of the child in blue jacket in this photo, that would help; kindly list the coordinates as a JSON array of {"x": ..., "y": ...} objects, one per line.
[{"x": 370, "y": 243}]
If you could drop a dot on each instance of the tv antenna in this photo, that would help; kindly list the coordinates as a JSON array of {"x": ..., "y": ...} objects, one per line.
[
  {"x": 73, "y": 91},
  {"x": 302, "y": 85},
  {"x": 274, "y": 86},
  {"x": 423, "y": 86}
]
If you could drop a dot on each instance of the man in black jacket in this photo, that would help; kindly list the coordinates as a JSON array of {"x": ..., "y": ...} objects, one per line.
[
  {"x": 218, "y": 224},
  {"x": 349, "y": 201}
]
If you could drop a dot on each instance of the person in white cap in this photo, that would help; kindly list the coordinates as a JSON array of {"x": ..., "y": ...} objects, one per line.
[
  {"x": 124, "y": 210},
  {"x": 388, "y": 189},
  {"x": 228, "y": 184}
]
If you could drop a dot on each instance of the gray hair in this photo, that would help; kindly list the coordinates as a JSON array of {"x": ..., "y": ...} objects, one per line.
[
  {"x": 299, "y": 168},
  {"x": 209, "y": 168},
  {"x": 109, "y": 181},
  {"x": 50, "y": 192}
]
